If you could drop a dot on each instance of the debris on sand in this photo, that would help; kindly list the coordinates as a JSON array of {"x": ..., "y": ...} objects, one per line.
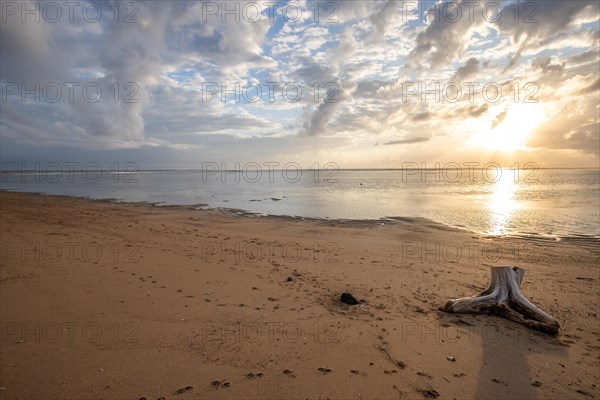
[{"x": 348, "y": 299}]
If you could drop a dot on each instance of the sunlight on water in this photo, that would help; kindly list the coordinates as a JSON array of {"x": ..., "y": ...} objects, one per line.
[
  {"x": 545, "y": 202},
  {"x": 502, "y": 203}
]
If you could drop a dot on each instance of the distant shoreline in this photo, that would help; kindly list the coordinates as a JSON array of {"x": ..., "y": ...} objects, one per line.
[{"x": 332, "y": 221}]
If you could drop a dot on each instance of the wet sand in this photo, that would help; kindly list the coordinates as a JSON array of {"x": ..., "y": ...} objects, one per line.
[{"x": 102, "y": 300}]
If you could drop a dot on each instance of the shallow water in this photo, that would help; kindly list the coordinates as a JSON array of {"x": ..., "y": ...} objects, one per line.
[{"x": 548, "y": 202}]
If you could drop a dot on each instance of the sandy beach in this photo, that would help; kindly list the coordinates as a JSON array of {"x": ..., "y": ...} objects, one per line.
[{"x": 104, "y": 300}]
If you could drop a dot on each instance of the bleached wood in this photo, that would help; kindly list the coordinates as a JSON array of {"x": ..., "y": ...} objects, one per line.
[{"x": 503, "y": 297}]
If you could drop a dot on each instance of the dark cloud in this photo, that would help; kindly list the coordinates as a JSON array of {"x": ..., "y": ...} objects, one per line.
[
  {"x": 424, "y": 116},
  {"x": 472, "y": 111},
  {"x": 584, "y": 58},
  {"x": 317, "y": 124},
  {"x": 545, "y": 64},
  {"x": 545, "y": 22},
  {"x": 540, "y": 25},
  {"x": 574, "y": 127},
  {"x": 594, "y": 87},
  {"x": 408, "y": 141},
  {"x": 444, "y": 39},
  {"x": 469, "y": 69}
]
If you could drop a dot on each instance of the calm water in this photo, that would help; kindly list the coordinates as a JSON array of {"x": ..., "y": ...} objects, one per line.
[{"x": 553, "y": 202}]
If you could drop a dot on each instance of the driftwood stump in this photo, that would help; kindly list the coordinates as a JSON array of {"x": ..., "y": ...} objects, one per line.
[{"x": 504, "y": 298}]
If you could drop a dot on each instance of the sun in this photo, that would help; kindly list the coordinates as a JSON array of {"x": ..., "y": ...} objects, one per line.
[{"x": 511, "y": 128}]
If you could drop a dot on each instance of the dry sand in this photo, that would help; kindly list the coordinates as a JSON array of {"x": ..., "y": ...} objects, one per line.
[{"x": 102, "y": 300}]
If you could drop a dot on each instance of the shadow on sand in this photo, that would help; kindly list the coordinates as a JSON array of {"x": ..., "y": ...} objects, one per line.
[{"x": 503, "y": 371}]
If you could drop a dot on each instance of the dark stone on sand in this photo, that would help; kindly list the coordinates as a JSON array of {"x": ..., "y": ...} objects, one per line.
[
  {"x": 289, "y": 279},
  {"x": 348, "y": 299}
]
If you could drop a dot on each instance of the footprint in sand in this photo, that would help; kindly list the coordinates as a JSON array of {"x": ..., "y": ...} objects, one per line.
[
  {"x": 429, "y": 393},
  {"x": 183, "y": 390},
  {"x": 221, "y": 384}
]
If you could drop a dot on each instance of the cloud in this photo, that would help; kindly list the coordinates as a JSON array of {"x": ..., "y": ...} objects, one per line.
[
  {"x": 409, "y": 141},
  {"x": 351, "y": 73},
  {"x": 445, "y": 38},
  {"x": 317, "y": 122},
  {"x": 469, "y": 69},
  {"x": 594, "y": 87},
  {"x": 546, "y": 22},
  {"x": 575, "y": 126},
  {"x": 499, "y": 118},
  {"x": 545, "y": 64},
  {"x": 424, "y": 116}
]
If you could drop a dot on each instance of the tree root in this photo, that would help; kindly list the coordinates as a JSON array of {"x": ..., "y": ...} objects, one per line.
[{"x": 504, "y": 298}]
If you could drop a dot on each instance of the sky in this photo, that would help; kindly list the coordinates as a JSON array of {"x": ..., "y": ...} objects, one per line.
[{"x": 362, "y": 84}]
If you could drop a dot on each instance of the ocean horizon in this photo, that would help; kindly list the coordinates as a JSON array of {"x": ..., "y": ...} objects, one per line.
[{"x": 551, "y": 202}]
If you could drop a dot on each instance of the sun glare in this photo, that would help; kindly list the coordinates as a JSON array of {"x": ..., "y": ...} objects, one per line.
[
  {"x": 502, "y": 203},
  {"x": 512, "y": 130}
]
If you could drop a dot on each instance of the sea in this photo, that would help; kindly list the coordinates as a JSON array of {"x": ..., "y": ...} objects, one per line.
[{"x": 549, "y": 203}]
